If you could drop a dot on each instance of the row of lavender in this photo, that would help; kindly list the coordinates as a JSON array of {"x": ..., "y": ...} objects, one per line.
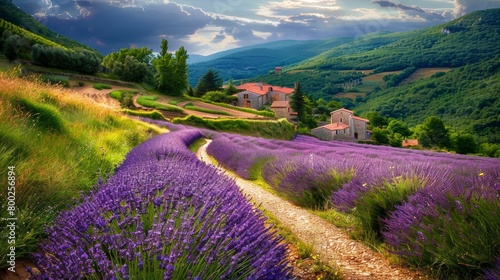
[
  {"x": 435, "y": 210},
  {"x": 163, "y": 215}
]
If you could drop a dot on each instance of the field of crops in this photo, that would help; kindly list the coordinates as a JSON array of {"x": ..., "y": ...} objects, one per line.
[
  {"x": 437, "y": 211},
  {"x": 163, "y": 215}
]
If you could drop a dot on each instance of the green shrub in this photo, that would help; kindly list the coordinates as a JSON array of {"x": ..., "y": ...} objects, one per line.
[
  {"x": 56, "y": 80},
  {"x": 101, "y": 86},
  {"x": 219, "y": 97},
  {"x": 155, "y": 115},
  {"x": 126, "y": 97}
]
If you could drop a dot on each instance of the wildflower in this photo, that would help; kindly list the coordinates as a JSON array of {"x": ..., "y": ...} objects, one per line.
[{"x": 459, "y": 206}]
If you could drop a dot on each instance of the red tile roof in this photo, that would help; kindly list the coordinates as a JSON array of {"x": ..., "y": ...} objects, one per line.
[
  {"x": 252, "y": 87},
  {"x": 249, "y": 85},
  {"x": 410, "y": 142},
  {"x": 360, "y": 119},
  {"x": 284, "y": 90},
  {"x": 260, "y": 90},
  {"x": 335, "y": 126}
]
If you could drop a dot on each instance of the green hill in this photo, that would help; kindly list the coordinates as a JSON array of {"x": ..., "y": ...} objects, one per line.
[
  {"x": 466, "y": 98},
  {"x": 11, "y": 13},
  {"x": 247, "y": 62},
  {"x": 463, "y": 41}
]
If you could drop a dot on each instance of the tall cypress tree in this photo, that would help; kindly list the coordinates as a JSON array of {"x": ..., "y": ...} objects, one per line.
[{"x": 298, "y": 101}]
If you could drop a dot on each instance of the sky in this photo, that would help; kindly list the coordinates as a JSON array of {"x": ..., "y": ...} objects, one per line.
[{"x": 209, "y": 26}]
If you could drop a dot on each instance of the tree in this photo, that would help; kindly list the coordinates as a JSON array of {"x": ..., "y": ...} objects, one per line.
[
  {"x": 171, "y": 71},
  {"x": 12, "y": 47},
  {"x": 180, "y": 72},
  {"x": 434, "y": 133},
  {"x": 464, "y": 143},
  {"x": 380, "y": 135},
  {"x": 400, "y": 127},
  {"x": 210, "y": 81},
  {"x": 230, "y": 89},
  {"x": 376, "y": 120},
  {"x": 132, "y": 65},
  {"x": 298, "y": 101}
]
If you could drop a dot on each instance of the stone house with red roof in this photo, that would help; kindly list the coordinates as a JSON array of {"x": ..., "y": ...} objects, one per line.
[
  {"x": 256, "y": 95},
  {"x": 282, "y": 109},
  {"x": 343, "y": 126}
]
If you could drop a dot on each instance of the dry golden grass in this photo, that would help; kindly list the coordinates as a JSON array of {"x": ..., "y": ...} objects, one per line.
[{"x": 53, "y": 166}]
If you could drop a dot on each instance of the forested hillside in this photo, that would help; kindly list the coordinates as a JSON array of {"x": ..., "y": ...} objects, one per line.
[
  {"x": 466, "y": 40},
  {"x": 11, "y": 13},
  {"x": 467, "y": 98}
]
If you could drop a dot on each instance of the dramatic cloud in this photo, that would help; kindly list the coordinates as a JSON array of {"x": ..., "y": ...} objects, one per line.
[
  {"x": 111, "y": 27},
  {"x": 412, "y": 11},
  {"x": 214, "y": 25},
  {"x": 463, "y": 7},
  {"x": 386, "y": 4}
]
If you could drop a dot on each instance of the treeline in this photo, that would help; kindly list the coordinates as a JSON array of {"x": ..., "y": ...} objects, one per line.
[
  {"x": 467, "y": 99},
  {"x": 431, "y": 133},
  {"x": 82, "y": 61},
  {"x": 18, "y": 43},
  {"x": 167, "y": 72}
]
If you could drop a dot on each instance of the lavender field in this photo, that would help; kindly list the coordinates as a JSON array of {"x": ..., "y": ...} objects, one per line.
[
  {"x": 163, "y": 215},
  {"x": 436, "y": 211}
]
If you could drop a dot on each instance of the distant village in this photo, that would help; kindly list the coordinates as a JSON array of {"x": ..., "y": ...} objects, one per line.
[{"x": 343, "y": 124}]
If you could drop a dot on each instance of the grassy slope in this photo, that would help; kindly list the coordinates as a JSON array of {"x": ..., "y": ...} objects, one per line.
[{"x": 59, "y": 146}]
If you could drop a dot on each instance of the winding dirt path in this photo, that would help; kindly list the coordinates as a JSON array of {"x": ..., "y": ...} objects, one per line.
[{"x": 332, "y": 244}]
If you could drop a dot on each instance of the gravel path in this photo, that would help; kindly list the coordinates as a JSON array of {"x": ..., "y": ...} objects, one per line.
[{"x": 332, "y": 244}]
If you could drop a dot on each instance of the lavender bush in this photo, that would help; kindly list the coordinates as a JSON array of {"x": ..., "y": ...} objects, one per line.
[
  {"x": 306, "y": 180},
  {"x": 164, "y": 214},
  {"x": 452, "y": 225},
  {"x": 432, "y": 209}
]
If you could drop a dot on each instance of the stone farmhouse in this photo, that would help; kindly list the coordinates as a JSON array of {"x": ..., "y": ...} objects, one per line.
[
  {"x": 255, "y": 95},
  {"x": 282, "y": 109},
  {"x": 343, "y": 126}
]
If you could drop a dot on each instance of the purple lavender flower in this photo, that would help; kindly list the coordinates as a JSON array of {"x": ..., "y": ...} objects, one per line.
[{"x": 165, "y": 211}]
